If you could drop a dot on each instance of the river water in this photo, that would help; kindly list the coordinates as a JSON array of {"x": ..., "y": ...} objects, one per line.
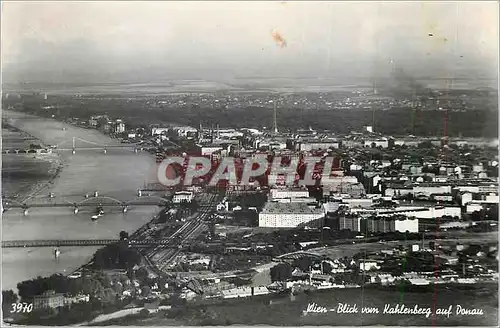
[{"x": 118, "y": 174}]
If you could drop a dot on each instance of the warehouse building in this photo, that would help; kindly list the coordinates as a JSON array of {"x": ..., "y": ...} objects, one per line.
[{"x": 288, "y": 215}]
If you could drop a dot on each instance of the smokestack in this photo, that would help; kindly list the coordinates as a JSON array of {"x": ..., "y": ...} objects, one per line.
[{"x": 275, "y": 119}]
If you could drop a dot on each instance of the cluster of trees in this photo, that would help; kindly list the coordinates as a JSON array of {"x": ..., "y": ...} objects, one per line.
[
  {"x": 351, "y": 277},
  {"x": 57, "y": 282},
  {"x": 96, "y": 284},
  {"x": 245, "y": 218},
  {"x": 8, "y": 298},
  {"x": 71, "y": 314},
  {"x": 397, "y": 121},
  {"x": 190, "y": 207},
  {"x": 491, "y": 213},
  {"x": 35, "y": 146},
  {"x": 281, "y": 272},
  {"x": 236, "y": 261},
  {"x": 411, "y": 262},
  {"x": 257, "y": 200},
  {"x": 116, "y": 256}
]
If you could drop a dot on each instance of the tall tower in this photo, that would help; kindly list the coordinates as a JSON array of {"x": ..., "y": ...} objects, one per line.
[
  {"x": 373, "y": 107},
  {"x": 200, "y": 133},
  {"x": 275, "y": 119}
]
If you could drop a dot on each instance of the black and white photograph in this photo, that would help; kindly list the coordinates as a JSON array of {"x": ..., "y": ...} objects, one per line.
[{"x": 271, "y": 163}]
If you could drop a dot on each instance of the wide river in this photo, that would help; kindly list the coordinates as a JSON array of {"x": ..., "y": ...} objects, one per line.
[{"x": 117, "y": 174}]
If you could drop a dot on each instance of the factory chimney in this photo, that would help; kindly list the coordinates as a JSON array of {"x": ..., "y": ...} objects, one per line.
[{"x": 275, "y": 119}]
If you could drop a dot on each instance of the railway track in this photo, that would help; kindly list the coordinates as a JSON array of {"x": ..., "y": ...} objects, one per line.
[{"x": 189, "y": 231}]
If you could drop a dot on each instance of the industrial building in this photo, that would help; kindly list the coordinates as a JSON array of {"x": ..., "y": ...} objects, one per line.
[
  {"x": 49, "y": 299},
  {"x": 244, "y": 291},
  {"x": 419, "y": 212},
  {"x": 281, "y": 193},
  {"x": 378, "y": 224},
  {"x": 429, "y": 189},
  {"x": 318, "y": 145},
  {"x": 383, "y": 225},
  {"x": 352, "y": 223},
  {"x": 288, "y": 215},
  {"x": 182, "y": 196},
  {"x": 358, "y": 202}
]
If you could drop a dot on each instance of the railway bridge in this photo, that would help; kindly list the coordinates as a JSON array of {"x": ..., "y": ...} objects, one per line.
[
  {"x": 82, "y": 242},
  {"x": 95, "y": 201}
]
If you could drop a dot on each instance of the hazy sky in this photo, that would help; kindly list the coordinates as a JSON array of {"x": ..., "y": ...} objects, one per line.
[{"x": 118, "y": 41}]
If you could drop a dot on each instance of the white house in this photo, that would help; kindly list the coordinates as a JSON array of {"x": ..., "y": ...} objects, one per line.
[
  {"x": 183, "y": 196},
  {"x": 368, "y": 265},
  {"x": 158, "y": 131}
]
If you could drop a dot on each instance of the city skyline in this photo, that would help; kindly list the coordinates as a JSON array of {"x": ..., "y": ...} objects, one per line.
[{"x": 146, "y": 41}]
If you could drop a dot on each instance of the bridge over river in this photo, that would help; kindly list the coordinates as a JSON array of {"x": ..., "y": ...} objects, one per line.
[
  {"x": 81, "y": 242},
  {"x": 77, "y": 144},
  {"x": 95, "y": 201}
]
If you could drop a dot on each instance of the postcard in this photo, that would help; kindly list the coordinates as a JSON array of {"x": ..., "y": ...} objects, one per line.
[{"x": 276, "y": 163}]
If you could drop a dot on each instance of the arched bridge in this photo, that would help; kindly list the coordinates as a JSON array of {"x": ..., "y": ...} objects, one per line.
[
  {"x": 102, "y": 201},
  {"x": 298, "y": 255}
]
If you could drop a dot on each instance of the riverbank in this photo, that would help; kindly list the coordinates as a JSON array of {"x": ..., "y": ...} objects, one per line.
[{"x": 26, "y": 174}]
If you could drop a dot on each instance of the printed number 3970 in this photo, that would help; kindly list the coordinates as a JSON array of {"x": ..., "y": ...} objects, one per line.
[{"x": 21, "y": 307}]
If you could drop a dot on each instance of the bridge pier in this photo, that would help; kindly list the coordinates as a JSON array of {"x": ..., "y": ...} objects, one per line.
[{"x": 17, "y": 151}]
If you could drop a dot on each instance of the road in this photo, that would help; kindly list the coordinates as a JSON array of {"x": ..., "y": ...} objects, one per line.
[{"x": 351, "y": 249}]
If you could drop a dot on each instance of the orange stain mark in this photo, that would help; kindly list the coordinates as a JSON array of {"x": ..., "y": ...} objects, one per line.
[
  {"x": 53, "y": 21},
  {"x": 279, "y": 39}
]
